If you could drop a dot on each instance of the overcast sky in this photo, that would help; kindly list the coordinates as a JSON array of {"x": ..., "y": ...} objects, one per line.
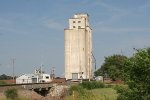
[{"x": 32, "y": 31}]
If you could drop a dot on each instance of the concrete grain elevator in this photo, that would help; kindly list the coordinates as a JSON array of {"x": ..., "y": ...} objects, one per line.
[{"x": 78, "y": 48}]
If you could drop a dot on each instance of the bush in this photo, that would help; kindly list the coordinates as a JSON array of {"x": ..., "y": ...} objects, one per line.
[
  {"x": 80, "y": 93},
  {"x": 77, "y": 88},
  {"x": 92, "y": 85},
  {"x": 11, "y": 94},
  {"x": 126, "y": 93},
  {"x": 120, "y": 89},
  {"x": 109, "y": 86}
]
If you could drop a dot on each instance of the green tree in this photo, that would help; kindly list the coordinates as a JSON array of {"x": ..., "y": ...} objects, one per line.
[
  {"x": 112, "y": 66},
  {"x": 137, "y": 76}
]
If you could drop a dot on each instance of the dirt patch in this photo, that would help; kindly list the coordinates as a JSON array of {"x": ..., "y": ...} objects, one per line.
[{"x": 29, "y": 94}]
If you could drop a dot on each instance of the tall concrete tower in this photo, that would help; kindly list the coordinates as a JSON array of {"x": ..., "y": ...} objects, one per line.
[{"x": 78, "y": 48}]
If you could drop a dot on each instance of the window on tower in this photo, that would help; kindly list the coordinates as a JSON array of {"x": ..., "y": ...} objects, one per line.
[
  {"x": 74, "y": 21},
  {"x": 74, "y": 27},
  {"x": 79, "y": 21}
]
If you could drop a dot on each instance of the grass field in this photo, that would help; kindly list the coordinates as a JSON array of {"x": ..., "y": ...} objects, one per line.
[
  {"x": 99, "y": 94},
  {"x": 2, "y": 82},
  {"x": 104, "y": 94}
]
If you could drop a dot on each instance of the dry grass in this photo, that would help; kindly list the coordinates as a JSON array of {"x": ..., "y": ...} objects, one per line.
[
  {"x": 105, "y": 94},
  {"x": 100, "y": 94},
  {"x": 2, "y": 98}
]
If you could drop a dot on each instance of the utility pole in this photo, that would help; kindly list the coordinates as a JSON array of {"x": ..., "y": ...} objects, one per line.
[
  {"x": 52, "y": 73},
  {"x": 13, "y": 65}
]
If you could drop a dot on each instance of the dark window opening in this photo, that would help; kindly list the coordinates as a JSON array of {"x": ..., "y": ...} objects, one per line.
[{"x": 47, "y": 77}]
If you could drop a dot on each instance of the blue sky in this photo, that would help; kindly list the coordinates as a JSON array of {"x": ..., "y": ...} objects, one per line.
[{"x": 32, "y": 31}]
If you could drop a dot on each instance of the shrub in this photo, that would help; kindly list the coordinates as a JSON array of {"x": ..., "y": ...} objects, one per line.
[
  {"x": 109, "y": 86},
  {"x": 80, "y": 93},
  {"x": 11, "y": 94},
  {"x": 77, "y": 88},
  {"x": 120, "y": 89},
  {"x": 92, "y": 85},
  {"x": 126, "y": 93}
]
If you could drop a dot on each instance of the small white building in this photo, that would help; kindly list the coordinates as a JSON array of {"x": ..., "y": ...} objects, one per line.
[
  {"x": 45, "y": 78},
  {"x": 27, "y": 78},
  {"x": 99, "y": 78}
]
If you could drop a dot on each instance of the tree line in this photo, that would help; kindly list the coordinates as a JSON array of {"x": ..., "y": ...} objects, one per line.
[{"x": 5, "y": 77}]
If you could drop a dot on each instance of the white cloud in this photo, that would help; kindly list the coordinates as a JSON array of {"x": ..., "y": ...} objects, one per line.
[
  {"x": 1, "y": 34},
  {"x": 111, "y": 8},
  {"x": 10, "y": 26},
  {"x": 106, "y": 6},
  {"x": 116, "y": 17},
  {"x": 120, "y": 30},
  {"x": 12, "y": 30},
  {"x": 145, "y": 6},
  {"x": 112, "y": 12},
  {"x": 53, "y": 24},
  {"x": 4, "y": 21}
]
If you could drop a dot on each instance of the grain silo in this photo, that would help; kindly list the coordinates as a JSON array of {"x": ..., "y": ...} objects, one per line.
[{"x": 78, "y": 48}]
